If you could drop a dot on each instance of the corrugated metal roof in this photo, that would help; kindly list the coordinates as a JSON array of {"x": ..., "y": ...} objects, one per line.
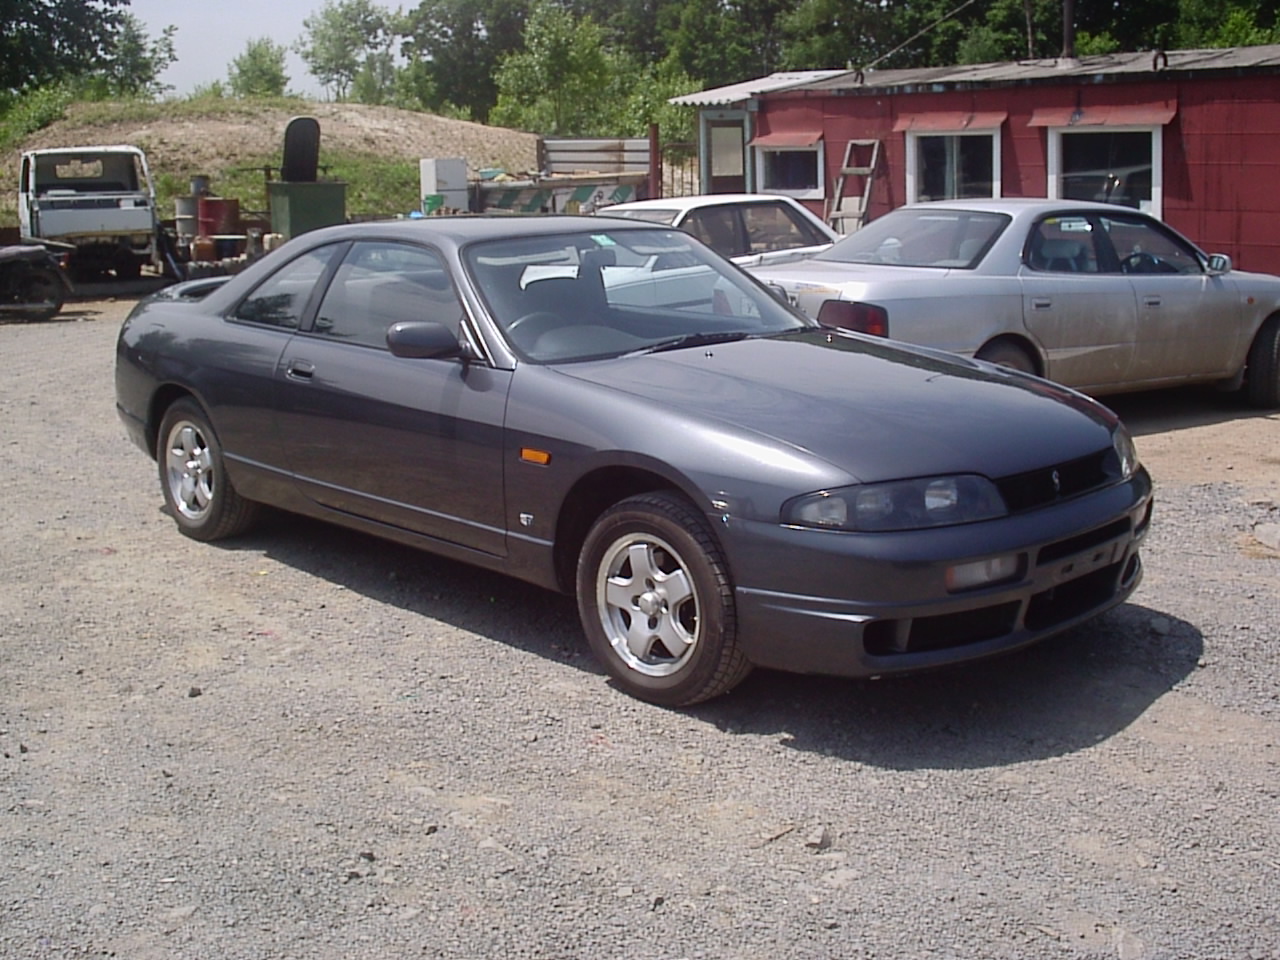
[
  {"x": 1021, "y": 71},
  {"x": 1265, "y": 58},
  {"x": 737, "y": 92}
]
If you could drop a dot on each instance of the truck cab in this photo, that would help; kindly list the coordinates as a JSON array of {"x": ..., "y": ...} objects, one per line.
[{"x": 99, "y": 199}]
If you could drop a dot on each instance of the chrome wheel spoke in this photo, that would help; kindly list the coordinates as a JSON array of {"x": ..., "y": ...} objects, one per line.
[{"x": 648, "y": 605}]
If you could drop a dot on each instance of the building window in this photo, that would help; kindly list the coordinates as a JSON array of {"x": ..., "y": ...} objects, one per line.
[
  {"x": 793, "y": 172},
  {"x": 1109, "y": 166},
  {"x": 953, "y": 166}
]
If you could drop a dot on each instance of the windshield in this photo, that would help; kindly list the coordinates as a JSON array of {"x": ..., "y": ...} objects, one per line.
[
  {"x": 922, "y": 237},
  {"x": 613, "y": 291}
]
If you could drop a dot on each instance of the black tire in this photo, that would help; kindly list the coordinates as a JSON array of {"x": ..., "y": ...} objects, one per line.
[
  {"x": 193, "y": 476},
  {"x": 128, "y": 267},
  {"x": 40, "y": 285},
  {"x": 683, "y": 597},
  {"x": 1262, "y": 375},
  {"x": 1006, "y": 354}
]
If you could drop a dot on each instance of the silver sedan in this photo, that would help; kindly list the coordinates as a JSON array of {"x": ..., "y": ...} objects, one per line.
[{"x": 1098, "y": 297}]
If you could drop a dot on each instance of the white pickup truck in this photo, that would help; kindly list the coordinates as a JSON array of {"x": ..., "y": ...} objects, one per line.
[{"x": 99, "y": 199}]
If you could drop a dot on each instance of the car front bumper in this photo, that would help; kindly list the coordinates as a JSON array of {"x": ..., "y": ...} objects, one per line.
[{"x": 853, "y": 604}]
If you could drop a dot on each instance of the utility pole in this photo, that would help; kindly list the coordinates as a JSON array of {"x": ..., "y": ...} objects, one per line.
[{"x": 1068, "y": 29}]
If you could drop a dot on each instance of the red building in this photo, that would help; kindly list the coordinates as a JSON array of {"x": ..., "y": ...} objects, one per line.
[{"x": 1191, "y": 136}]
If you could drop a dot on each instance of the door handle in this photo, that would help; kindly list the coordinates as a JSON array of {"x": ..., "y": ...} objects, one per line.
[
  {"x": 1041, "y": 303},
  {"x": 1151, "y": 301},
  {"x": 299, "y": 370}
]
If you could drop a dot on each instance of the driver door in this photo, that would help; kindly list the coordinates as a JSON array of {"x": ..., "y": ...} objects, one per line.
[
  {"x": 1187, "y": 320},
  {"x": 413, "y": 443}
]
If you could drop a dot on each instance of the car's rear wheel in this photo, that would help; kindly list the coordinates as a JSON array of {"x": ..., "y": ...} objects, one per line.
[
  {"x": 1262, "y": 375},
  {"x": 41, "y": 287},
  {"x": 656, "y": 602},
  {"x": 1006, "y": 354},
  {"x": 193, "y": 476}
]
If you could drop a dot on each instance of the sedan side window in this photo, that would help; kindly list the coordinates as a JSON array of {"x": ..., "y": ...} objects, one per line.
[
  {"x": 380, "y": 283},
  {"x": 718, "y": 228},
  {"x": 1063, "y": 245},
  {"x": 772, "y": 226},
  {"x": 1142, "y": 247},
  {"x": 281, "y": 299}
]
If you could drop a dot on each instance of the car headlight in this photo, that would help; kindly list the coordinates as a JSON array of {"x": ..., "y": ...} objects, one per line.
[
  {"x": 898, "y": 505},
  {"x": 1126, "y": 452}
]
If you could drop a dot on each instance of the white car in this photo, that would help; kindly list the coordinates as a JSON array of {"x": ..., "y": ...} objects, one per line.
[
  {"x": 1095, "y": 296},
  {"x": 748, "y": 228}
]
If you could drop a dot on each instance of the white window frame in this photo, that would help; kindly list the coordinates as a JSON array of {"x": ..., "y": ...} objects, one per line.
[
  {"x": 913, "y": 157},
  {"x": 817, "y": 193},
  {"x": 1054, "y": 192}
]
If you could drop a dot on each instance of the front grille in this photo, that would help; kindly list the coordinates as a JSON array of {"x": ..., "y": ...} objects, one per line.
[
  {"x": 939, "y": 632},
  {"x": 1081, "y": 543},
  {"x": 1073, "y": 598},
  {"x": 1036, "y": 488}
]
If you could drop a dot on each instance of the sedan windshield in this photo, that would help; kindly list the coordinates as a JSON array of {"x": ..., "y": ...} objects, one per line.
[
  {"x": 922, "y": 237},
  {"x": 617, "y": 291}
]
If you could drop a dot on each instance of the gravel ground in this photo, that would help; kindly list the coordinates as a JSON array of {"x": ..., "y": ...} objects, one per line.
[{"x": 310, "y": 744}]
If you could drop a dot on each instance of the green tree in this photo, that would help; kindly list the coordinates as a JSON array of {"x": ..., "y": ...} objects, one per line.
[
  {"x": 376, "y": 81},
  {"x": 557, "y": 84},
  {"x": 132, "y": 63},
  {"x": 45, "y": 41},
  {"x": 259, "y": 70},
  {"x": 338, "y": 39},
  {"x": 454, "y": 48}
]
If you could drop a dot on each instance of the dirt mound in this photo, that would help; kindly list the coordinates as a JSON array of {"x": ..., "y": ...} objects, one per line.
[{"x": 185, "y": 138}]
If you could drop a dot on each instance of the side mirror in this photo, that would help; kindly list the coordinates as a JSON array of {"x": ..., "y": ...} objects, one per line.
[
  {"x": 1219, "y": 263},
  {"x": 423, "y": 339},
  {"x": 779, "y": 293}
]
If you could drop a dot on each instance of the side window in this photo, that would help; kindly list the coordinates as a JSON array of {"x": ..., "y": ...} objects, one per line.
[
  {"x": 380, "y": 283},
  {"x": 1142, "y": 247},
  {"x": 774, "y": 226},
  {"x": 280, "y": 300},
  {"x": 717, "y": 227},
  {"x": 1063, "y": 245}
]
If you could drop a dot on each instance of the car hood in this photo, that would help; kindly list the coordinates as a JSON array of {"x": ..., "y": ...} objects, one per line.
[{"x": 873, "y": 408}]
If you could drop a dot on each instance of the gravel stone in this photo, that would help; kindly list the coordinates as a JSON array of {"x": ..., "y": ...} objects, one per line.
[{"x": 396, "y": 755}]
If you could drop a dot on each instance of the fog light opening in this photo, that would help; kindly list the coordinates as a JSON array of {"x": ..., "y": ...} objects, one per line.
[{"x": 983, "y": 573}]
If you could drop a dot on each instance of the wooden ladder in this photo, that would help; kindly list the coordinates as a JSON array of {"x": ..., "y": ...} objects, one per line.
[{"x": 846, "y": 214}]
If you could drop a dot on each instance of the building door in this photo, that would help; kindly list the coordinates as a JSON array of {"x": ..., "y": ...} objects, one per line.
[{"x": 726, "y": 156}]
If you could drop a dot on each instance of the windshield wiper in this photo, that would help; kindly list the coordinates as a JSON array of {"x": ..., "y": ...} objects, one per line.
[{"x": 693, "y": 340}]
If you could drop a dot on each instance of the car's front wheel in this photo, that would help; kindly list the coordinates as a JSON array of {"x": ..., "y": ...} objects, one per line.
[
  {"x": 193, "y": 476},
  {"x": 1263, "y": 371},
  {"x": 657, "y": 604}
]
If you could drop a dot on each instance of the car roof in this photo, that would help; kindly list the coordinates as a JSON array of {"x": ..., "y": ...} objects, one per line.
[
  {"x": 690, "y": 203},
  {"x": 1018, "y": 206},
  {"x": 466, "y": 228}
]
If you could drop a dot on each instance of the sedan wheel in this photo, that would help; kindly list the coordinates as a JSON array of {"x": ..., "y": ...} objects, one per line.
[
  {"x": 656, "y": 603},
  {"x": 194, "y": 479},
  {"x": 1005, "y": 354},
  {"x": 1263, "y": 370}
]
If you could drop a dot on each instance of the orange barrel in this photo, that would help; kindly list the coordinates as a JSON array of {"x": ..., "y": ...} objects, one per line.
[
  {"x": 203, "y": 248},
  {"x": 218, "y": 215}
]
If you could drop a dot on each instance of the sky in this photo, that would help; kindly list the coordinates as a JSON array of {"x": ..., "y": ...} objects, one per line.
[{"x": 212, "y": 33}]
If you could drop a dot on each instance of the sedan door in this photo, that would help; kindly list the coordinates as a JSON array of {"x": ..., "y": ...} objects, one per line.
[
  {"x": 1188, "y": 320},
  {"x": 1082, "y": 312},
  {"x": 414, "y": 443}
]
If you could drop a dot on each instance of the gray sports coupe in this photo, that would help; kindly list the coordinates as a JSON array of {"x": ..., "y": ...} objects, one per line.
[
  {"x": 611, "y": 410},
  {"x": 1101, "y": 298}
]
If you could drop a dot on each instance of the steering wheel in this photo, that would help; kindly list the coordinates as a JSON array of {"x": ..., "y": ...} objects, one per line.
[
  {"x": 1142, "y": 262},
  {"x": 528, "y": 328}
]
